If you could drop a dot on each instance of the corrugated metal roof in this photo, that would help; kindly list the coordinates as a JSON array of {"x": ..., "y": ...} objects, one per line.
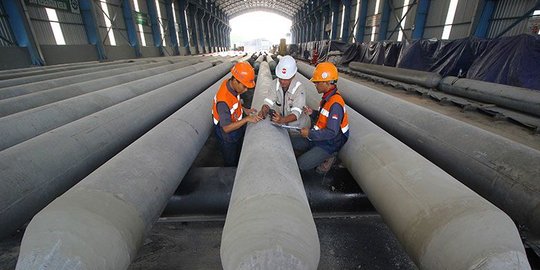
[
  {"x": 6, "y": 36},
  {"x": 506, "y": 13}
]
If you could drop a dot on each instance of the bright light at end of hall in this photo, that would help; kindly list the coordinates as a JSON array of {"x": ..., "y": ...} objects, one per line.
[{"x": 251, "y": 26}]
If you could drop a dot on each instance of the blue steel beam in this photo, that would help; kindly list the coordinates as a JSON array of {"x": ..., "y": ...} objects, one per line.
[
  {"x": 320, "y": 25},
  {"x": 182, "y": 6},
  {"x": 171, "y": 27},
  {"x": 192, "y": 25},
  {"x": 207, "y": 33},
  {"x": 309, "y": 22},
  {"x": 485, "y": 18},
  {"x": 327, "y": 18},
  {"x": 361, "y": 23},
  {"x": 91, "y": 27},
  {"x": 334, "y": 7},
  {"x": 385, "y": 19},
  {"x": 201, "y": 31},
  {"x": 22, "y": 30},
  {"x": 209, "y": 22},
  {"x": 130, "y": 27},
  {"x": 346, "y": 20},
  {"x": 420, "y": 21},
  {"x": 154, "y": 20},
  {"x": 218, "y": 32}
]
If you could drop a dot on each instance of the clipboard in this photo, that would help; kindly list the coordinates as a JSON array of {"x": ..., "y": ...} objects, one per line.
[{"x": 286, "y": 126}]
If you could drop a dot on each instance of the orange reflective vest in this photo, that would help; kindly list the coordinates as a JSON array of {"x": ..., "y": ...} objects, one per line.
[
  {"x": 325, "y": 111},
  {"x": 233, "y": 102}
]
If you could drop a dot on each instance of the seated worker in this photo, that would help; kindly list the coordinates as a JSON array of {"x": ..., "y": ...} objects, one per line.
[
  {"x": 288, "y": 97},
  {"x": 228, "y": 114},
  {"x": 331, "y": 130}
]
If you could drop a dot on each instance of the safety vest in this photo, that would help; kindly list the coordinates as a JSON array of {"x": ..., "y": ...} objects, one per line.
[
  {"x": 325, "y": 111},
  {"x": 233, "y": 102}
]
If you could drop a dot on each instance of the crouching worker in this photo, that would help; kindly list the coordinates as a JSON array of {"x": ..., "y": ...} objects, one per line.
[
  {"x": 228, "y": 114},
  {"x": 287, "y": 98},
  {"x": 331, "y": 130}
]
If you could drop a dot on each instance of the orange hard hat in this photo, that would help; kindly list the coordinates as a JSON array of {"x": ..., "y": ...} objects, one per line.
[
  {"x": 325, "y": 72},
  {"x": 244, "y": 73}
]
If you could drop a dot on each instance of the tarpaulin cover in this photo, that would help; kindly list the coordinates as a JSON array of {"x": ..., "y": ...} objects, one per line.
[
  {"x": 448, "y": 58},
  {"x": 511, "y": 61},
  {"x": 508, "y": 60},
  {"x": 380, "y": 53},
  {"x": 335, "y": 45}
]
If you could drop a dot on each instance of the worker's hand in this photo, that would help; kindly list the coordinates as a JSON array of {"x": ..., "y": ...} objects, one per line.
[
  {"x": 264, "y": 111},
  {"x": 304, "y": 132},
  {"x": 250, "y": 111},
  {"x": 276, "y": 118},
  {"x": 307, "y": 110},
  {"x": 253, "y": 118}
]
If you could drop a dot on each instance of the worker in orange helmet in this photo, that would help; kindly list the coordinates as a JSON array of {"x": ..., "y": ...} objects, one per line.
[
  {"x": 228, "y": 113},
  {"x": 331, "y": 131}
]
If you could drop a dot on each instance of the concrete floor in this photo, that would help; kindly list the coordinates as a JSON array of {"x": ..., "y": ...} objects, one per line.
[{"x": 354, "y": 242}]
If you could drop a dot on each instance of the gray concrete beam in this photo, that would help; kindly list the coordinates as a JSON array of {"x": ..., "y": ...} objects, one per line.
[
  {"x": 25, "y": 125},
  {"x": 36, "y": 171},
  {"x": 422, "y": 78},
  {"x": 57, "y": 75},
  {"x": 31, "y": 71},
  {"x": 101, "y": 222},
  {"x": 512, "y": 97},
  {"x": 439, "y": 221},
  {"x": 503, "y": 171},
  {"x": 39, "y": 96},
  {"x": 269, "y": 223}
]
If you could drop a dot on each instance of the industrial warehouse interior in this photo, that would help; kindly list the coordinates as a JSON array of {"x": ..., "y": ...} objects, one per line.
[{"x": 111, "y": 155}]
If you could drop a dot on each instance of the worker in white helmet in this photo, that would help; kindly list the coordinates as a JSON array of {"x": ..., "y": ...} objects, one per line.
[{"x": 287, "y": 97}]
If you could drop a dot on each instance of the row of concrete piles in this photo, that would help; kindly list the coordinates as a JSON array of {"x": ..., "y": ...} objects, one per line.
[
  {"x": 132, "y": 155},
  {"x": 48, "y": 149}
]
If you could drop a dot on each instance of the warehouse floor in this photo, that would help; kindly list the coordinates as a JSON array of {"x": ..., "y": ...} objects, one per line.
[
  {"x": 352, "y": 242},
  {"x": 352, "y": 235}
]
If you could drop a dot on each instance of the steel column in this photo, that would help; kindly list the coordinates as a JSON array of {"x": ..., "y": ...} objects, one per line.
[
  {"x": 485, "y": 18},
  {"x": 23, "y": 31},
  {"x": 171, "y": 27},
  {"x": 347, "y": 20},
  {"x": 155, "y": 21},
  {"x": 334, "y": 7},
  {"x": 420, "y": 19},
  {"x": 88, "y": 15},
  {"x": 193, "y": 27},
  {"x": 361, "y": 24},
  {"x": 385, "y": 19},
  {"x": 182, "y": 7},
  {"x": 130, "y": 27}
]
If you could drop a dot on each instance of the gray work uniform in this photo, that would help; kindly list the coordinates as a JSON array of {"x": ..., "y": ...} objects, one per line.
[{"x": 293, "y": 101}]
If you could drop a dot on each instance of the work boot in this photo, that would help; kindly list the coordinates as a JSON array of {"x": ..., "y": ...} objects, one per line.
[{"x": 326, "y": 165}]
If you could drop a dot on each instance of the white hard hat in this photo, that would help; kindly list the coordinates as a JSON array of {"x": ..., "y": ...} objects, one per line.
[{"x": 286, "y": 68}]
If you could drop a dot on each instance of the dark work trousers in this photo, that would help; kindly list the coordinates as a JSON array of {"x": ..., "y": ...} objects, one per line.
[
  {"x": 230, "y": 144},
  {"x": 312, "y": 155}
]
